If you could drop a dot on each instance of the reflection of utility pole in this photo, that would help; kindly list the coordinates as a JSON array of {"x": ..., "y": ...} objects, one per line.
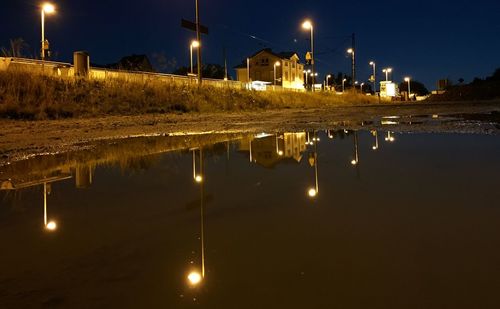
[{"x": 375, "y": 134}]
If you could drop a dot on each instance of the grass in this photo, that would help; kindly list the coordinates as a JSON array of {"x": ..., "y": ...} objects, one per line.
[{"x": 25, "y": 95}]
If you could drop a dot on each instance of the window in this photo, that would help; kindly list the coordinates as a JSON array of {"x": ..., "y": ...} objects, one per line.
[
  {"x": 286, "y": 75},
  {"x": 293, "y": 65}
]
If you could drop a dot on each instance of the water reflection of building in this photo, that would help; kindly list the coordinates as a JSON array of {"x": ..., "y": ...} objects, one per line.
[{"x": 268, "y": 150}]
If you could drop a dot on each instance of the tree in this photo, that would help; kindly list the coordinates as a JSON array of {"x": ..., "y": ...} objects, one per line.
[
  {"x": 416, "y": 87},
  {"x": 215, "y": 71},
  {"x": 17, "y": 47}
]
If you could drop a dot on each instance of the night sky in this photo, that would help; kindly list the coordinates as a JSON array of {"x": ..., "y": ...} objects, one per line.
[{"x": 426, "y": 40}]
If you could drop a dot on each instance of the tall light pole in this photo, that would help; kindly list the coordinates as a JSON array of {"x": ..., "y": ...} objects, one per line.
[
  {"x": 362, "y": 84},
  {"x": 327, "y": 78},
  {"x": 307, "y": 73},
  {"x": 194, "y": 44},
  {"x": 198, "y": 38},
  {"x": 309, "y": 26},
  {"x": 374, "y": 79},
  {"x": 353, "y": 62},
  {"x": 276, "y": 64},
  {"x": 343, "y": 84},
  {"x": 47, "y": 8},
  {"x": 408, "y": 80},
  {"x": 387, "y": 71}
]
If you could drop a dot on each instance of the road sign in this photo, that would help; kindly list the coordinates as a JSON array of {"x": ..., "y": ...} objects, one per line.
[{"x": 192, "y": 26}]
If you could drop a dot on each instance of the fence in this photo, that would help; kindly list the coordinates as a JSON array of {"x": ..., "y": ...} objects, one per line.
[{"x": 66, "y": 70}]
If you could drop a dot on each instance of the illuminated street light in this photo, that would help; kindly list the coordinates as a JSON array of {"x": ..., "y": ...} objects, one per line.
[
  {"x": 352, "y": 52},
  {"x": 312, "y": 192},
  {"x": 408, "y": 80},
  {"x": 362, "y": 84},
  {"x": 194, "y": 44},
  {"x": 49, "y": 225},
  {"x": 387, "y": 71},
  {"x": 307, "y": 25},
  {"x": 327, "y": 78},
  {"x": 374, "y": 79},
  {"x": 276, "y": 64},
  {"x": 343, "y": 84},
  {"x": 46, "y": 8}
]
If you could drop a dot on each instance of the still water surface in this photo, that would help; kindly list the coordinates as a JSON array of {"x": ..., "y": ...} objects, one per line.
[{"x": 291, "y": 220}]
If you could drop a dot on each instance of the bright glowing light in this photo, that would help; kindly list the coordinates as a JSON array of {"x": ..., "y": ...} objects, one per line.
[
  {"x": 195, "y": 44},
  {"x": 329, "y": 76},
  {"x": 194, "y": 278},
  {"x": 354, "y": 162},
  {"x": 391, "y": 139},
  {"x": 277, "y": 63},
  {"x": 312, "y": 192},
  {"x": 307, "y": 25},
  {"x": 280, "y": 153},
  {"x": 374, "y": 147},
  {"x": 407, "y": 79},
  {"x": 198, "y": 178},
  {"x": 51, "y": 226},
  {"x": 372, "y": 63},
  {"x": 48, "y": 8},
  {"x": 344, "y": 80},
  {"x": 350, "y": 50}
]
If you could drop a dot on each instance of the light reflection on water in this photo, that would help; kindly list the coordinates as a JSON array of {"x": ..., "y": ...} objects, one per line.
[{"x": 328, "y": 219}]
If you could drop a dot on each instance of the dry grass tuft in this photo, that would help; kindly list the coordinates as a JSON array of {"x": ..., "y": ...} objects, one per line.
[{"x": 31, "y": 96}]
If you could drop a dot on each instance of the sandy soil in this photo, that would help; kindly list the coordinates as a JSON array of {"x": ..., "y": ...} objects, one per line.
[{"x": 23, "y": 139}]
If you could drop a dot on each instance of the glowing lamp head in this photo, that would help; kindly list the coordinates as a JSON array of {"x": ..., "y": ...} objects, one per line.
[
  {"x": 307, "y": 25},
  {"x": 198, "y": 178},
  {"x": 344, "y": 80},
  {"x": 280, "y": 153},
  {"x": 389, "y": 70},
  {"x": 391, "y": 139},
  {"x": 277, "y": 63},
  {"x": 407, "y": 79},
  {"x": 51, "y": 226},
  {"x": 372, "y": 63},
  {"x": 194, "y": 278},
  {"x": 350, "y": 51},
  {"x": 48, "y": 8},
  {"x": 329, "y": 76},
  {"x": 312, "y": 192},
  {"x": 195, "y": 44},
  {"x": 374, "y": 147}
]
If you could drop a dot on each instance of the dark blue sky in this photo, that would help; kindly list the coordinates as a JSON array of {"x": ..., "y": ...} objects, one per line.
[{"x": 425, "y": 39}]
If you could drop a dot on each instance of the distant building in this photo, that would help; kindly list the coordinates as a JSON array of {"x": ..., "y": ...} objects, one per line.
[{"x": 289, "y": 74}]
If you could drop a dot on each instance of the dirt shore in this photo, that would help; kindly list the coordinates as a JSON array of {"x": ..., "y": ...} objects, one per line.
[{"x": 23, "y": 139}]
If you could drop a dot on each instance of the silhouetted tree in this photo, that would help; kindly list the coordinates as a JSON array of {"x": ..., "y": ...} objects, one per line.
[
  {"x": 416, "y": 87},
  {"x": 215, "y": 71},
  {"x": 17, "y": 47}
]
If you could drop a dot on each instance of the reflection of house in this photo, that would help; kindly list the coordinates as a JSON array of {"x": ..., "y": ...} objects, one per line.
[
  {"x": 289, "y": 73},
  {"x": 270, "y": 150}
]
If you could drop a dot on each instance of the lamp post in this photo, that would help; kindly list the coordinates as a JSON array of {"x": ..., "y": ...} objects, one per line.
[
  {"x": 373, "y": 64},
  {"x": 307, "y": 73},
  {"x": 194, "y": 44},
  {"x": 276, "y": 64},
  {"x": 408, "y": 80},
  {"x": 362, "y": 84},
  {"x": 47, "y": 8},
  {"x": 307, "y": 25},
  {"x": 353, "y": 62},
  {"x": 327, "y": 78},
  {"x": 343, "y": 84},
  {"x": 387, "y": 71}
]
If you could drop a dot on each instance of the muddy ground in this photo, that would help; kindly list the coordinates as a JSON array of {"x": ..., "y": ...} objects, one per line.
[{"x": 23, "y": 139}]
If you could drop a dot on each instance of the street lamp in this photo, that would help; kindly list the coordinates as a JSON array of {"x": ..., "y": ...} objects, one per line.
[
  {"x": 307, "y": 25},
  {"x": 353, "y": 62},
  {"x": 276, "y": 64},
  {"x": 362, "y": 84},
  {"x": 387, "y": 71},
  {"x": 373, "y": 64},
  {"x": 307, "y": 73},
  {"x": 194, "y": 44},
  {"x": 327, "y": 78},
  {"x": 47, "y": 8},
  {"x": 343, "y": 84},
  {"x": 407, "y": 79}
]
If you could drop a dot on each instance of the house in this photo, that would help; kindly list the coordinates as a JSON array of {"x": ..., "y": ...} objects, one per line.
[{"x": 289, "y": 70}]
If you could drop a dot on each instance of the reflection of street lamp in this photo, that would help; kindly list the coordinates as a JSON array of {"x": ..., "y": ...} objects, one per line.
[
  {"x": 276, "y": 64},
  {"x": 47, "y": 8},
  {"x": 194, "y": 278},
  {"x": 307, "y": 25},
  {"x": 353, "y": 62},
  {"x": 355, "y": 161},
  {"x": 343, "y": 84},
  {"x": 197, "y": 177},
  {"x": 49, "y": 225},
  {"x": 313, "y": 192},
  {"x": 194, "y": 44},
  {"x": 389, "y": 137},
  {"x": 372, "y": 63},
  {"x": 375, "y": 134}
]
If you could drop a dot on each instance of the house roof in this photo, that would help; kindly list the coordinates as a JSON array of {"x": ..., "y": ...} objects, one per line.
[{"x": 282, "y": 55}]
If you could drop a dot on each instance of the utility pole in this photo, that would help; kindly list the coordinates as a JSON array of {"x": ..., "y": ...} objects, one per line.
[
  {"x": 198, "y": 38},
  {"x": 225, "y": 63},
  {"x": 353, "y": 58}
]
